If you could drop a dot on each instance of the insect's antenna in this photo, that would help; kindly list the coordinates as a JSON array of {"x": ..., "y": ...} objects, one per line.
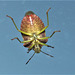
[
  {"x": 47, "y": 54},
  {"x": 30, "y": 58}
]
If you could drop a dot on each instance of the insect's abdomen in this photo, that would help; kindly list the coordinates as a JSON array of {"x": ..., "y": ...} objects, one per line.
[{"x": 31, "y": 24}]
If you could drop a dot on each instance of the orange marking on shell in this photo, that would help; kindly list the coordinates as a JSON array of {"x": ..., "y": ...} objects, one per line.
[{"x": 34, "y": 27}]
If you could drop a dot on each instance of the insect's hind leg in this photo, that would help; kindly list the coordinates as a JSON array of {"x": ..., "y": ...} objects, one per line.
[
  {"x": 17, "y": 28},
  {"x": 47, "y": 22}
]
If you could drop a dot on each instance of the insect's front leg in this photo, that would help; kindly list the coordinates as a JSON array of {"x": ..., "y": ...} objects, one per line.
[
  {"x": 31, "y": 46},
  {"x": 44, "y": 44}
]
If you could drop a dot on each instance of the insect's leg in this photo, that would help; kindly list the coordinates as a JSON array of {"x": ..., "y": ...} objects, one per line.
[
  {"x": 17, "y": 39},
  {"x": 47, "y": 17},
  {"x": 44, "y": 38},
  {"x": 54, "y": 32},
  {"x": 45, "y": 44},
  {"x": 50, "y": 36},
  {"x": 17, "y": 28},
  {"x": 21, "y": 41},
  {"x": 47, "y": 22},
  {"x": 31, "y": 46},
  {"x": 47, "y": 54}
]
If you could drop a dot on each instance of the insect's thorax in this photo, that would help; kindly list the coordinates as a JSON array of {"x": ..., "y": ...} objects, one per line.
[{"x": 36, "y": 47}]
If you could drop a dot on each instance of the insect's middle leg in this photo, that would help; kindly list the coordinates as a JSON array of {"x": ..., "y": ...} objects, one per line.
[
  {"x": 22, "y": 41},
  {"x": 54, "y": 33},
  {"x": 49, "y": 36}
]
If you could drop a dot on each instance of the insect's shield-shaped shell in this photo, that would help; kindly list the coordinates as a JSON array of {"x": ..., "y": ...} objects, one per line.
[{"x": 31, "y": 23}]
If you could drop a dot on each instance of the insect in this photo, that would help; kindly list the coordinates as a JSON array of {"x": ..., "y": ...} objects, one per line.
[{"x": 33, "y": 33}]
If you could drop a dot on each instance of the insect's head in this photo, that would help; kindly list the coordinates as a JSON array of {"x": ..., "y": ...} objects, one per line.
[
  {"x": 37, "y": 48},
  {"x": 29, "y": 13}
]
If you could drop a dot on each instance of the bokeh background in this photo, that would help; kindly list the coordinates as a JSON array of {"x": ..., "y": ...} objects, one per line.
[{"x": 13, "y": 55}]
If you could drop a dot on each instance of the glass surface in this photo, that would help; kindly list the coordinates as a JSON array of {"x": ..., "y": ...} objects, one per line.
[{"x": 13, "y": 55}]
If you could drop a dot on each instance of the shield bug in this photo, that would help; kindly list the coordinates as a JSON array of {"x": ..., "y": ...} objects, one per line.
[{"x": 33, "y": 33}]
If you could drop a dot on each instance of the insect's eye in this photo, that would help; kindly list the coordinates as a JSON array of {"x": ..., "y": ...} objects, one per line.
[{"x": 29, "y": 13}]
